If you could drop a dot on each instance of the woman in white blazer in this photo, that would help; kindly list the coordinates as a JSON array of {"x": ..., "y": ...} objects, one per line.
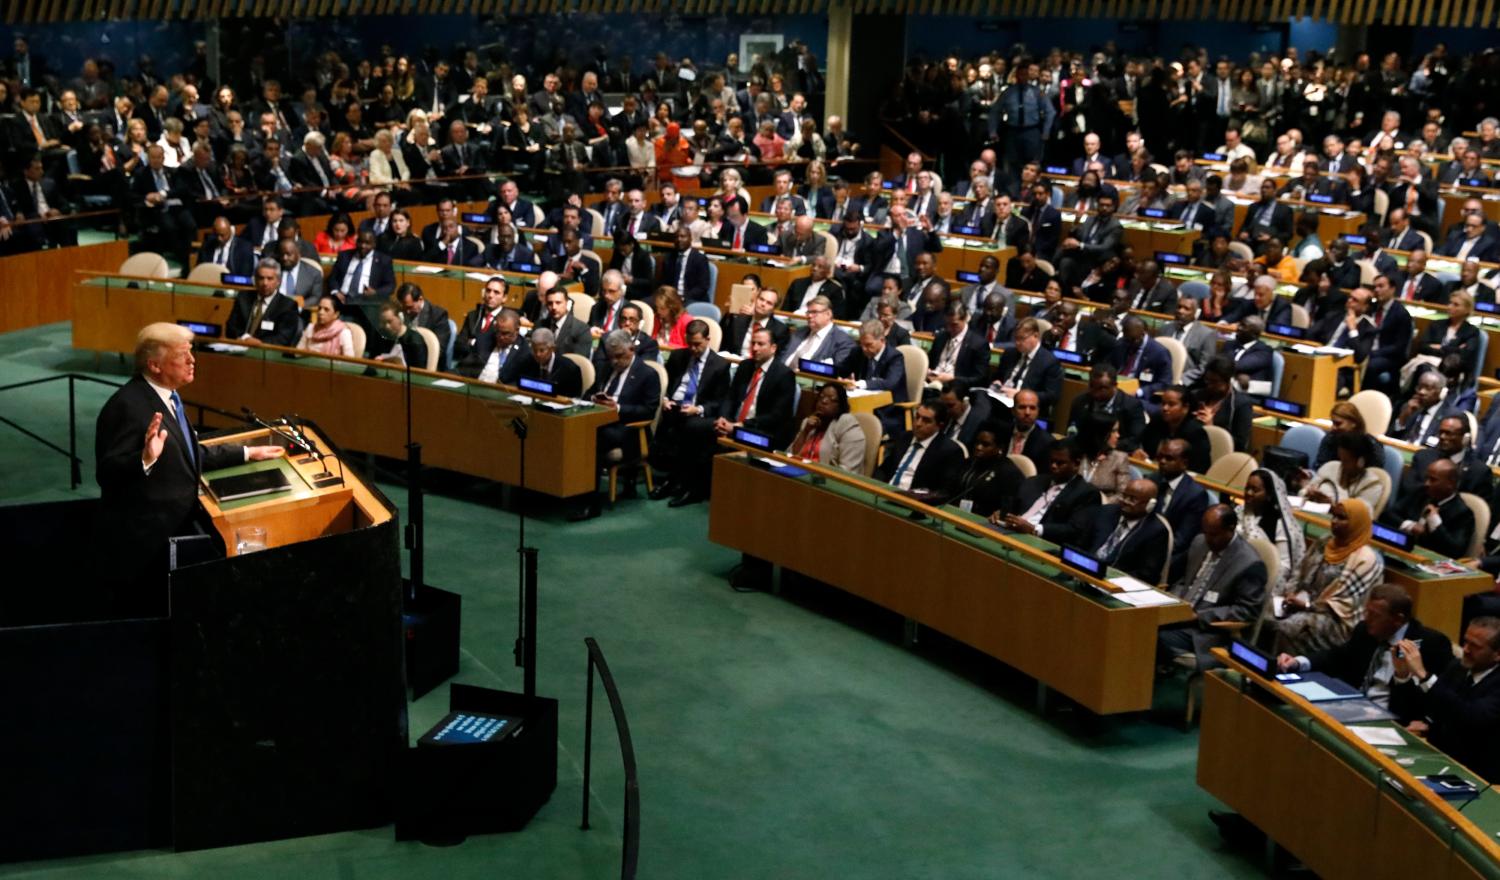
[
  {"x": 831, "y": 434},
  {"x": 387, "y": 165}
]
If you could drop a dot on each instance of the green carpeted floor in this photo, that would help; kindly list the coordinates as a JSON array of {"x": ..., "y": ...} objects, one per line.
[{"x": 777, "y": 736}]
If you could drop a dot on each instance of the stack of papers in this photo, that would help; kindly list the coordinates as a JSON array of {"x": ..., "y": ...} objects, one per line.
[
  {"x": 862, "y": 392},
  {"x": 446, "y": 383},
  {"x": 427, "y": 270},
  {"x": 1146, "y": 598},
  {"x": 1128, "y": 584},
  {"x": 226, "y": 348},
  {"x": 1379, "y": 736}
]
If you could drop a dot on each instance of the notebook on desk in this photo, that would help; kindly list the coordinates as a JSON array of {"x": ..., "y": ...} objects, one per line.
[{"x": 265, "y": 482}]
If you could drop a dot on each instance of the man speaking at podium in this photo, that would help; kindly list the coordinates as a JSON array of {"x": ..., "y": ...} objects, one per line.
[{"x": 148, "y": 460}]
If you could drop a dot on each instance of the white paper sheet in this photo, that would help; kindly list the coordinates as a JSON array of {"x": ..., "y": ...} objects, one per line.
[
  {"x": 1379, "y": 736},
  {"x": 1129, "y": 584},
  {"x": 1146, "y": 598}
]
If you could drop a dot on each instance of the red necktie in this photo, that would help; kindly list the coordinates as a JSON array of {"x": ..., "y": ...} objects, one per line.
[
  {"x": 108, "y": 163},
  {"x": 991, "y": 336},
  {"x": 609, "y": 319},
  {"x": 750, "y": 396},
  {"x": 739, "y": 238},
  {"x": 1064, "y": 343},
  {"x": 633, "y": 222},
  {"x": 451, "y": 246},
  {"x": 486, "y": 324},
  {"x": 1411, "y": 287}
]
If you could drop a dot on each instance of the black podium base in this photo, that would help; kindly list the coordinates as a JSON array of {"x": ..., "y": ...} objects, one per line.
[
  {"x": 448, "y": 792},
  {"x": 430, "y": 626}
]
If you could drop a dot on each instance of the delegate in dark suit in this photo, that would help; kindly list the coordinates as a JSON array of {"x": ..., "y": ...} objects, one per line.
[
  {"x": 1183, "y": 513},
  {"x": 691, "y": 282},
  {"x": 379, "y": 276},
  {"x": 1252, "y": 359},
  {"x": 278, "y": 322},
  {"x": 566, "y": 378},
  {"x": 1148, "y": 361},
  {"x": 1279, "y": 312},
  {"x": 141, "y": 510},
  {"x": 885, "y": 372},
  {"x": 1464, "y": 717},
  {"x": 239, "y": 258},
  {"x": 1278, "y": 225},
  {"x": 796, "y": 292},
  {"x": 1234, "y": 591},
  {"x": 636, "y": 396},
  {"x": 572, "y": 335},
  {"x": 1043, "y": 374},
  {"x": 1142, "y": 553},
  {"x": 1122, "y": 406},
  {"x": 773, "y": 414},
  {"x": 1452, "y": 539},
  {"x": 1392, "y": 344},
  {"x": 735, "y": 327},
  {"x": 1069, "y": 519},
  {"x": 1473, "y": 475},
  {"x": 972, "y": 366},
  {"x": 1353, "y": 662},
  {"x": 939, "y": 471},
  {"x": 464, "y": 253}
]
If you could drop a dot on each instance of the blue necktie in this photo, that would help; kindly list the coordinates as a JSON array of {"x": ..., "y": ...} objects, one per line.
[
  {"x": 905, "y": 463},
  {"x": 187, "y": 431},
  {"x": 691, "y": 395}
]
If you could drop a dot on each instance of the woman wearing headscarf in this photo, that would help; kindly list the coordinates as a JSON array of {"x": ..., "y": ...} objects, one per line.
[
  {"x": 1268, "y": 515},
  {"x": 1328, "y": 599}
]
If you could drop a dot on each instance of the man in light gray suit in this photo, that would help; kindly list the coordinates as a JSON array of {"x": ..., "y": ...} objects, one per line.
[
  {"x": 1201, "y": 342},
  {"x": 1225, "y": 580},
  {"x": 298, "y": 278}
]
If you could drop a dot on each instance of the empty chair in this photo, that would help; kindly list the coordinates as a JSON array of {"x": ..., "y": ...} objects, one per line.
[
  {"x": 1232, "y": 470},
  {"x": 207, "y": 273},
  {"x": 1305, "y": 439},
  {"x": 1375, "y": 407},
  {"x": 706, "y": 311},
  {"x": 1196, "y": 289},
  {"x": 873, "y": 430},
  {"x": 146, "y": 264}
]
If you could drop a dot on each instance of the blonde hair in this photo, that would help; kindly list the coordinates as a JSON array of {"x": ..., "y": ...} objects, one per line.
[{"x": 153, "y": 338}]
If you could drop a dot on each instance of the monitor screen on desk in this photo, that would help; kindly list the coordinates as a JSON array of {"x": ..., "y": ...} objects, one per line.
[
  {"x": 1285, "y": 407},
  {"x": 1252, "y": 658},
  {"x": 1073, "y": 358},
  {"x": 1081, "y": 561},
  {"x": 1488, "y": 308},
  {"x": 1320, "y": 199},
  {"x": 231, "y": 278},
  {"x": 1385, "y": 535},
  {"x": 1213, "y": 157},
  {"x": 751, "y": 438},
  {"x": 817, "y": 368},
  {"x": 1356, "y": 239},
  {"x": 526, "y": 268},
  {"x": 1286, "y": 330},
  {"x": 201, "y": 328},
  {"x": 715, "y": 242},
  {"x": 1058, "y": 169},
  {"x": 1154, "y": 213},
  {"x": 771, "y": 249},
  {"x": 967, "y": 230},
  {"x": 968, "y": 277},
  {"x": 537, "y": 385},
  {"x": 477, "y": 219},
  {"x": 1171, "y": 259}
]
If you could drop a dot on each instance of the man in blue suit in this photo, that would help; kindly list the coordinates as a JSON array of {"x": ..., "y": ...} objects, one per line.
[
  {"x": 894, "y": 252},
  {"x": 686, "y": 269},
  {"x": 226, "y": 249},
  {"x": 1129, "y": 536},
  {"x": 1142, "y": 358},
  {"x": 1393, "y": 340},
  {"x": 632, "y": 390},
  {"x": 1265, "y": 304},
  {"x": 1252, "y": 358},
  {"x": 1179, "y": 499},
  {"x": 880, "y": 367},
  {"x": 1030, "y": 366},
  {"x": 363, "y": 272}
]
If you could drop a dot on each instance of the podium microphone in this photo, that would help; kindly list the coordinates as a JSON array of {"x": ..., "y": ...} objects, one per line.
[{"x": 290, "y": 438}]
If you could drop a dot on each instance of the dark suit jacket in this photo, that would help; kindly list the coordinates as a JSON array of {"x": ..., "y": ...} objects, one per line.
[
  {"x": 695, "y": 285},
  {"x": 1255, "y": 361},
  {"x": 281, "y": 312},
  {"x": 713, "y": 381},
  {"x": 773, "y": 403},
  {"x": 1465, "y": 718},
  {"x": 1352, "y": 661},
  {"x": 1131, "y": 413},
  {"x": 474, "y": 360},
  {"x": 1408, "y": 240},
  {"x": 939, "y": 471},
  {"x": 380, "y": 277},
  {"x": 1070, "y": 518},
  {"x": 1161, "y": 298},
  {"x": 837, "y": 347},
  {"x": 466, "y": 254},
  {"x": 1142, "y": 554},
  {"x": 973, "y": 363},
  {"x": 1473, "y": 476},
  {"x": 1046, "y": 229},
  {"x": 241, "y": 257},
  {"x": 639, "y": 392},
  {"x": 1154, "y": 360},
  {"x": 572, "y": 335},
  {"x": 1429, "y": 289},
  {"x": 300, "y": 169},
  {"x": 567, "y": 379},
  {"x": 1184, "y": 514},
  {"x": 1089, "y": 339},
  {"x": 1098, "y": 239},
  {"x": 1190, "y": 431},
  {"x": 1280, "y": 223},
  {"x": 1280, "y": 311},
  {"x": 1487, "y": 249},
  {"x": 140, "y": 511},
  {"x": 797, "y": 291},
  {"x": 734, "y": 327},
  {"x": 1393, "y": 342},
  {"x": 1043, "y": 375},
  {"x": 1452, "y": 540}
]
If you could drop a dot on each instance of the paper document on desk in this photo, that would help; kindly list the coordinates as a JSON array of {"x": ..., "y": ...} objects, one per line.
[
  {"x": 522, "y": 399},
  {"x": 548, "y": 404},
  {"x": 863, "y": 392},
  {"x": 427, "y": 270},
  {"x": 1146, "y": 598},
  {"x": 226, "y": 348},
  {"x": 1128, "y": 584},
  {"x": 446, "y": 383},
  {"x": 1379, "y": 736},
  {"x": 1001, "y": 397},
  {"x": 477, "y": 276},
  {"x": 1333, "y": 350},
  {"x": 1319, "y": 508}
]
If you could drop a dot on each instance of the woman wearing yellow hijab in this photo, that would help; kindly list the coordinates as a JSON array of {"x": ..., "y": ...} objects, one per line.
[{"x": 1328, "y": 600}]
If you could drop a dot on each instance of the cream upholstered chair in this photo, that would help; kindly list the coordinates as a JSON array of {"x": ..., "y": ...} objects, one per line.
[
  {"x": 585, "y": 366},
  {"x": 872, "y": 429},
  {"x": 207, "y": 273},
  {"x": 146, "y": 264},
  {"x": 583, "y": 306},
  {"x": 1179, "y": 354},
  {"x": 1231, "y": 470},
  {"x": 1220, "y": 441},
  {"x": 915, "y": 360},
  {"x": 1375, "y": 407},
  {"x": 1026, "y": 466},
  {"x": 434, "y": 348}
]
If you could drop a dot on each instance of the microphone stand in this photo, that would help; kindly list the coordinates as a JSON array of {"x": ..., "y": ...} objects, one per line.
[
  {"x": 414, "y": 536},
  {"x": 525, "y": 646}
]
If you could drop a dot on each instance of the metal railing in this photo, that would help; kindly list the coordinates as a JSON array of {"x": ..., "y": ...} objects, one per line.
[{"x": 631, "y": 846}]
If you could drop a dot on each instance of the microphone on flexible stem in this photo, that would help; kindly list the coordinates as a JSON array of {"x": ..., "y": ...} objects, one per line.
[
  {"x": 292, "y": 439},
  {"x": 307, "y": 446},
  {"x": 293, "y": 423}
]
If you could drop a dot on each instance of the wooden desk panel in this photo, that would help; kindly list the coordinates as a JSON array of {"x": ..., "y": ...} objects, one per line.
[
  {"x": 108, "y": 318},
  {"x": 458, "y": 432},
  {"x": 38, "y": 286},
  {"x": 1000, "y": 608}
]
